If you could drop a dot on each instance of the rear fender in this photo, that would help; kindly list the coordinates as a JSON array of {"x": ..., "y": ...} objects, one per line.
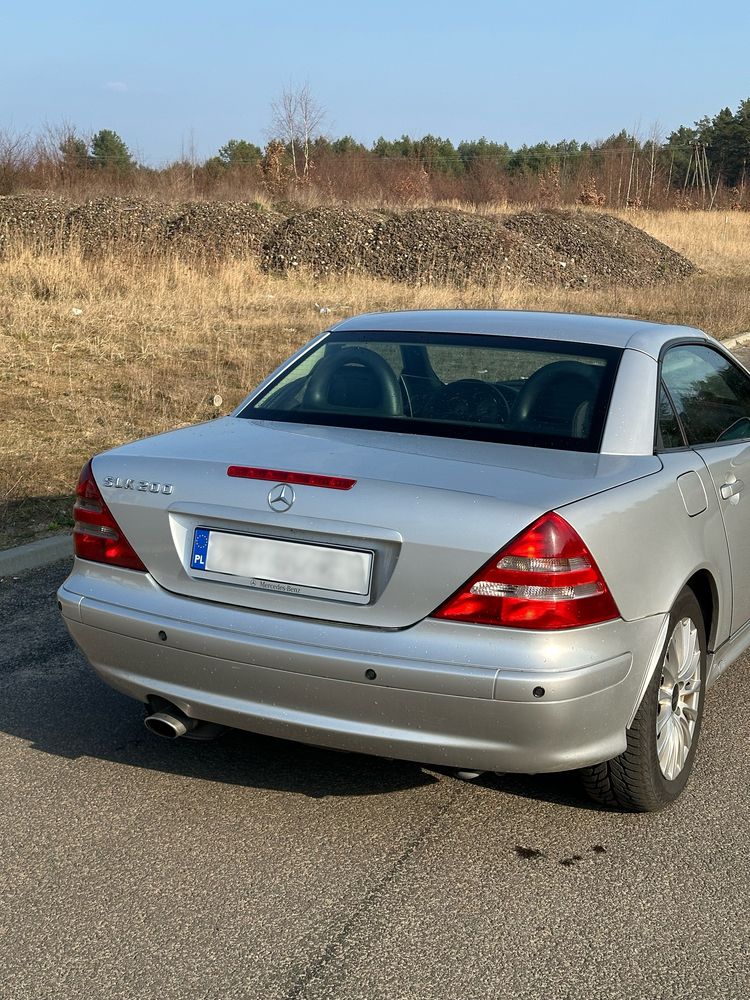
[{"x": 648, "y": 546}]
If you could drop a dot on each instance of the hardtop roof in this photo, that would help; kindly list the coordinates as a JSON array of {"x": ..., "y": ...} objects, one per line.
[{"x": 609, "y": 331}]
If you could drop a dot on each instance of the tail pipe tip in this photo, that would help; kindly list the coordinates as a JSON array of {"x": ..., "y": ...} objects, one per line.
[{"x": 169, "y": 725}]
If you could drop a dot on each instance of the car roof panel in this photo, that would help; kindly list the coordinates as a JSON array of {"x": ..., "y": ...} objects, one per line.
[{"x": 609, "y": 331}]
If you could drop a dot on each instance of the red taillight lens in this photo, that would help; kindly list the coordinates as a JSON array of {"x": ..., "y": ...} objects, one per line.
[
  {"x": 96, "y": 535},
  {"x": 546, "y": 578}
]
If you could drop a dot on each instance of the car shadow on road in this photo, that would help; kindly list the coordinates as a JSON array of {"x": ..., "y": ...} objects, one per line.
[
  {"x": 86, "y": 719},
  {"x": 563, "y": 788},
  {"x": 52, "y": 700}
]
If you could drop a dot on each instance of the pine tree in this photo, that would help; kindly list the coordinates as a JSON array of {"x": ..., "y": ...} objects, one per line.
[{"x": 109, "y": 151}]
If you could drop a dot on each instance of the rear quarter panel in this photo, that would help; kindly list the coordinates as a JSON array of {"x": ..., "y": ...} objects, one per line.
[{"x": 648, "y": 546}]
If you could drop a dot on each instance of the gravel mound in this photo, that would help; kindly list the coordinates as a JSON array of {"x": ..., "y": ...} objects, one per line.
[
  {"x": 104, "y": 224},
  {"x": 221, "y": 229},
  {"x": 445, "y": 246},
  {"x": 40, "y": 223},
  {"x": 323, "y": 241},
  {"x": 440, "y": 246},
  {"x": 591, "y": 249},
  {"x": 421, "y": 246}
]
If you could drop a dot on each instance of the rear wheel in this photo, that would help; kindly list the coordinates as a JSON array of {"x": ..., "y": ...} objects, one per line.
[{"x": 662, "y": 742}]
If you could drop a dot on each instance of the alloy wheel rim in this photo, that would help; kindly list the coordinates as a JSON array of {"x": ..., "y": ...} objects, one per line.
[{"x": 679, "y": 696}]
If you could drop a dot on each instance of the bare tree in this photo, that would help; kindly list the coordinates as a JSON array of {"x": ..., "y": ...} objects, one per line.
[
  {"x": 284, "y": 122},
  {"x": 310, "y": 115},
  {"x": 296, "y": 118},
  {"x": 15, "y": 158},
  {"x": 62, "y": 148},
  {"x": 655, "y": 143}
]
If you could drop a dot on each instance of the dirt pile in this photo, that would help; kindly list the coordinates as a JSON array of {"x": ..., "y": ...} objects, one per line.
[
  {"x": 323, "y": 241},
  {"x": 424, "y": 246},
  {"x": 445, "y": 246},
  {"x": 104, "y": 224},
  {"x": 221, "y": 229},
  {"x": 594, "y": 249},
  {"x": 421, "y": 246},
  {"x": 39, "y": 222},
  {"x": 438, "y": 246},
  {"x": 206, "y": 229}
]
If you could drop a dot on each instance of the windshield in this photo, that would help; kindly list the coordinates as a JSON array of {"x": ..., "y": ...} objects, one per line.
[{"x": 548, "y": 394}]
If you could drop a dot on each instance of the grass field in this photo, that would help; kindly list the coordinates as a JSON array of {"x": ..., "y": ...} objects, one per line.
[{"x": 97, "y": 352}]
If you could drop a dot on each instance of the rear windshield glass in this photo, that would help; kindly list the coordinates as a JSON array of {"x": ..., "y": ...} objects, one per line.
[{"x": 548, "y": 394}]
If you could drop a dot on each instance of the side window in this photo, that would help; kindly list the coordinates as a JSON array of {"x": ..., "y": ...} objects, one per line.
[
  {"x": 670, "y": 435},
  {"x": 712, "y": 395}
]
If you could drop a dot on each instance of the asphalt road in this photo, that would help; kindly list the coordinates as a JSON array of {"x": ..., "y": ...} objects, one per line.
[{"x": 254, "y": 868}]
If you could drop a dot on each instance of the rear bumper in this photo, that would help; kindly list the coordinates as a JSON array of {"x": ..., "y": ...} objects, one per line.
[{"x": 458, "y": 695}]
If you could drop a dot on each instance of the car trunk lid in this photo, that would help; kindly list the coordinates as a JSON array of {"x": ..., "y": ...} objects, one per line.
[{"x": 424, "y": 513}]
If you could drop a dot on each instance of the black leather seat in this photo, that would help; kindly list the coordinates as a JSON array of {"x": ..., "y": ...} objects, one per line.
[{"x": 558, "y": 399}]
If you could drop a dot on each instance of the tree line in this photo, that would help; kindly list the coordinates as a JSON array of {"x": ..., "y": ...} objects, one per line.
[{"x": 701, "y": 165}]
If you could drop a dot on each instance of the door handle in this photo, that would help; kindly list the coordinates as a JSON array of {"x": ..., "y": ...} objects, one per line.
[{"x": 733, "y": 489}]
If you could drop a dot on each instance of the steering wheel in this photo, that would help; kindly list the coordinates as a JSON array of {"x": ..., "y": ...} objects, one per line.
[
  {"x": 471, "y": 400},
  {"x": 333, "y": 367}
]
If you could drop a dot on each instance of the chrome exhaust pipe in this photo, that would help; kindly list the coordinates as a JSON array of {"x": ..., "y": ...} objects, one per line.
[{"x": 169, "y": 724}]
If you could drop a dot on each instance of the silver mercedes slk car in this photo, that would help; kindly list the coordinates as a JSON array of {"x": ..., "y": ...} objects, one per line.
[{"x": 498, "y": 541}]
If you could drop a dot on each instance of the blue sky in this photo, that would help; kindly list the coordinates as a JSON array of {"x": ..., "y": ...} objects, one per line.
[{"x": 163, "y": 74}]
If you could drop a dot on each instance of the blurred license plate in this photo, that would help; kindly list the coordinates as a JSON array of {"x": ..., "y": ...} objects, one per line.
[{"x": 272, "y": 564}]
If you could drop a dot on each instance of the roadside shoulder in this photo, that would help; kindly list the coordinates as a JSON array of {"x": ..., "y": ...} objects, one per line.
[{"x": 35, "y": 554}]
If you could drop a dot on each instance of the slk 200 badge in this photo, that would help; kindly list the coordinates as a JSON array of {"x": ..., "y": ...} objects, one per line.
[{"x": 142, "y": 485}]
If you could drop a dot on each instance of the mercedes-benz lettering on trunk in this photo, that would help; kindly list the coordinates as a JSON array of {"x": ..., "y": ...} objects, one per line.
[{"x": 494, "y": 541}]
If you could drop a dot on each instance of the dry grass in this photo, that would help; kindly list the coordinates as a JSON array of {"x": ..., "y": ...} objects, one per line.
[
  {"x": 154, "y": 340},
  {"x": 718, "y": 242}
]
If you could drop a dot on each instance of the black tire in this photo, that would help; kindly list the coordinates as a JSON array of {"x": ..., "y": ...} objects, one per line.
[{"x": 634, "y": 781}]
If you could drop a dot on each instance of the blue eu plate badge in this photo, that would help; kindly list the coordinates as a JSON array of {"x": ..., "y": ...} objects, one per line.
[{"x": 200, "y": 548}]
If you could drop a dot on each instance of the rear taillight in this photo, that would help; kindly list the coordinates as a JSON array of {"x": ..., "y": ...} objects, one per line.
[
  {"x": 546, "y": 578},
  {"x": 96, "y": 535}
]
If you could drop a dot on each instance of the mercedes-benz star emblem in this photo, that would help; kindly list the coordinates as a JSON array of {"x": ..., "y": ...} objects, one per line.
[{"x": 281, "y": 497}]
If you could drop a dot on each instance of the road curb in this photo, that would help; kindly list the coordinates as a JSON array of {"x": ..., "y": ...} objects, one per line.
[
  {"x": 35, "y": 554},
  {"x": 738, "y": 341}
]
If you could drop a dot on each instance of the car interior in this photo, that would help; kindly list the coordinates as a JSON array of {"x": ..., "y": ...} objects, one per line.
[{"x": 557, "y": 397}]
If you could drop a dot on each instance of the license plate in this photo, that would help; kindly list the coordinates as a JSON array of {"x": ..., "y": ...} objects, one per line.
[{"x": 287, "y": 567}]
